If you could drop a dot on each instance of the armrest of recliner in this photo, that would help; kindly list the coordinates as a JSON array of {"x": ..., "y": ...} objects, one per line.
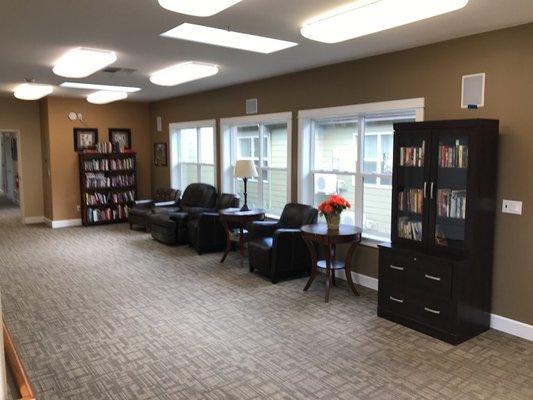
[
  {"x": 259, "y": 229},
  {"x": 288, "y": 250},
  {"x": 144, "y": 203},
  {"x": 165, "y": 204},
  {"x": 195, "y": 212}
]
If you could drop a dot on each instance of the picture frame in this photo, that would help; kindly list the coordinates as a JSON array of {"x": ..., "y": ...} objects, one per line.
[
  {"x": 85, "y": 138},
  {"x": 120, "y": 137},
  {"x": 160, "y": 155}
]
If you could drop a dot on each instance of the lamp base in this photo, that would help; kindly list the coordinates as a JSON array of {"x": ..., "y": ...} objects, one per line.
[{"x": 245, "y": 208}]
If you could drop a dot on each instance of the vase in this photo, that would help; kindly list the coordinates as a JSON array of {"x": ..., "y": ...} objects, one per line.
[{"x": 333, "y": 221}]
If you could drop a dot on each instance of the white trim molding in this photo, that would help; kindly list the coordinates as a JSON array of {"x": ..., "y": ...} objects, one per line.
[
  {"x": 65, "y": 223},
  {"x": 497, "y": 322},
  {"x": 33, "y": 220}
]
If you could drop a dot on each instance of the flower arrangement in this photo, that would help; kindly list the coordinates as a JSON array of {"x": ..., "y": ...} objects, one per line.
[{"x": 332, "y": 208}]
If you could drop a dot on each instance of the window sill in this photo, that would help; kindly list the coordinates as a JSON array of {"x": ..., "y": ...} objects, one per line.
[{"x": 373, "y": 243}]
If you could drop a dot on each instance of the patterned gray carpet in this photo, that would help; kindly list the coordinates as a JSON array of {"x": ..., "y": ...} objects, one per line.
[{"x": 107, "y": 313}]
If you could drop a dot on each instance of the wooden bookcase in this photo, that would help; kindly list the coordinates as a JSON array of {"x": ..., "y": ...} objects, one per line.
[
  {"x": 108, "y": 187},
  {"x": 436, "y": 274}
]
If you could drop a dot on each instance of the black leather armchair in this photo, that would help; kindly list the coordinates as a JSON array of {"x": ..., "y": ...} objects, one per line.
[
  {"x": 206, "y": 233},
  {"x": 277, "y": 249},
  {"x": 171, "y": 227},
  {"x": 164, "y": 201}
]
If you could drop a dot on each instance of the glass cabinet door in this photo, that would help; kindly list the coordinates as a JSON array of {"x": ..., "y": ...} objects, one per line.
[
  {"x": 410, "y": 187},
  {"x": 450, "y": 190}
]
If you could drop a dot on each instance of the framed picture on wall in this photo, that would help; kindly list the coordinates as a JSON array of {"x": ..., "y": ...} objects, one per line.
[
  {"x": 85, "y": 138},
  {"x": 120, "y": 138},
  {"x": 160, "y": 155}
]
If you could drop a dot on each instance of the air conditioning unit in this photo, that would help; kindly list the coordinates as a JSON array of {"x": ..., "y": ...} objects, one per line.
[{"x": 325, "y": 184}]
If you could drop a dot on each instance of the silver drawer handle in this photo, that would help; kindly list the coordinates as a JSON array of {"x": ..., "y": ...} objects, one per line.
[
  {"x": 396, "y": 300},
  {"x": 430, "y": 310},
  {"x": 397, "y": 268},
  {"x": 433, "y": 278}
]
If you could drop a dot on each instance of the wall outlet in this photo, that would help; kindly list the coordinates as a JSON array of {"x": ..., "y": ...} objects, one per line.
[
  {"x": 78, "y": 207},
  {"x": 512, "y": 207}
]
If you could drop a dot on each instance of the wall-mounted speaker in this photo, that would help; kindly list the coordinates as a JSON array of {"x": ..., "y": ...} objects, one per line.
[
  {"x": 473, "y": 91},
  {"x": 251, "y": 106},
  {"x": 159, "y": 123}
]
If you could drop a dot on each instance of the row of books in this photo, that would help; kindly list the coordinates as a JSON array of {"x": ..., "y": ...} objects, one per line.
[
  {"x": 96, "y": 165},
  {"x": 412, "y": 156},
  {"x": 121, "y": 164},
  {"x": 411, "y": 200},
  {"x": 453, "y": 156},
  {"x": 101, "y": 181},
  {"x": 108, "y": 214},
  {"x": 409, "y": 229},
  {"x": 99, "y": 199},
  {"x": 108, "y": 148},
  {"x": 451, "y": 203},
  {"x": 122, "y": 181}
]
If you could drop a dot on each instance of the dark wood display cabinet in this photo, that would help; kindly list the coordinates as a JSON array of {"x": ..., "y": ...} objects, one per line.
[{"x": 436, "y": 274}]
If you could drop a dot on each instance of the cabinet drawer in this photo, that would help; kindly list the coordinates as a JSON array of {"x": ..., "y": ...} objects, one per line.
[
  {"x": 436, "y": 313},
  {"x": 396, "y": 300},
  {"x": 396, "y": 268},
  {"x": 434, "y": 277}
]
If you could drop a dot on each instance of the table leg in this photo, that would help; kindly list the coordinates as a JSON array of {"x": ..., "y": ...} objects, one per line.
[
  {"x": 333, "y": 258},
  {"x": 348, "y": 267},
  {"x": 327, "y": 251},
  {"x": 228, "y": 240},
  {"x": 241, "y": 243},
  {"x": 312, "y": 253}
]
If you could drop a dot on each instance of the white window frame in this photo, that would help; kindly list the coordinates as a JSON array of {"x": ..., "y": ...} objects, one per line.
[
  {"x": 228, "y": 127},
  {"x": 359, "y": 112},
  {"x": 174, "y": 165}
]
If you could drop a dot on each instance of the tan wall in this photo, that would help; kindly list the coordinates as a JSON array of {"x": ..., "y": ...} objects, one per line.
[
  {"x": 65, "y": 190},
  {"x": 433, "y": 72},
  {"x": 24, "y": 116}
]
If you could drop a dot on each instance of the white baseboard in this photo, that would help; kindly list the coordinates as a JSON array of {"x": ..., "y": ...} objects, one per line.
[
  {"x": 65, "y": 223},
  {"x": 33, "y": 220},
  {"x": 497, "y": 322}
]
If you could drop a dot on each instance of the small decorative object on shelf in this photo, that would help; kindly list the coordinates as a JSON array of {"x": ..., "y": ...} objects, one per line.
[
  {"x": 332, "y": 209},
  {"x": 107, "y": 184}
]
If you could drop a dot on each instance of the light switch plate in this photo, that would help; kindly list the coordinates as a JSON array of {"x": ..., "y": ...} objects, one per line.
[{"x": 512, "y": 207}]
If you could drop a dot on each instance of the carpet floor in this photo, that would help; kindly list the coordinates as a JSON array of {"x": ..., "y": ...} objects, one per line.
[{"x": 108, "y": 313}]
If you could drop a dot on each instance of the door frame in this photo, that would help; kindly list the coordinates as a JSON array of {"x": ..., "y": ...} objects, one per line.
[{"x": 18, "y": 136}]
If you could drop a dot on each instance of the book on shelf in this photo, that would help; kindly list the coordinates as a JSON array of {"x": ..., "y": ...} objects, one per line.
[
  {"x": 451, "y": 203},
  {"x": 122, "y": 181},
  {"x": 453, "y": 156},
  {"x": 411, "y": 200},
  {"x": 412, "y": 156},
  {"x": 409, "y": 229},
  {"x": 97, "y": 180},
  {"x": 122, "y": 164},
  {"x": 96, "y": 165},
  {"x": 109, "y": 214}
]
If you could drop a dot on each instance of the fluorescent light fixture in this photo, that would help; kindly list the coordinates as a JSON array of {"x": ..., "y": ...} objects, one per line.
[
  {"x": 226, "y": 38},
  {"x": 81, "y": 62},
  {"x": 198, "y": 8},
  {"x": 104, "y": 97},
  {"x": 184, "y": 72},
  {"x": 91, "y": 86},
  {"x": 32, "y": 91},
  {"x": 365, "y": 17}
]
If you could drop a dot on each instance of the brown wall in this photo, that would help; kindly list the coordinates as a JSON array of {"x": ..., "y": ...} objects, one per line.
[
  {"x": 433, "y": 72},
  {"x": 24, "y": 116},
  {"x": 63, "y": 189}
]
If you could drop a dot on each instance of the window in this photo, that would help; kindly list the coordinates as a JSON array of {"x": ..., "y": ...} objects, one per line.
[
  {"x": 265, "y": 140},
  {"x": 349, "y": 151},
  {"x": 192, "y": 153}
]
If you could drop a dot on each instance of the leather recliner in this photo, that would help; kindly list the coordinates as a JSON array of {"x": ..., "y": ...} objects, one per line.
[
  {"x": 206, "y": 233},
  {"x": 165, "y": 201},
  {"x": 277, "y": 249},
  {"x": 171, "y": 228}
]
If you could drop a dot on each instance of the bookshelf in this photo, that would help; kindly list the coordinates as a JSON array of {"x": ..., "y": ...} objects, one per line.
[
  {"x": 435, "y": 275},
  {"x": 108, "y": 187}
]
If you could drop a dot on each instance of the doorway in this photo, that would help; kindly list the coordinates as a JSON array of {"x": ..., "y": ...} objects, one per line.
[{"x": 9, "y": 174}]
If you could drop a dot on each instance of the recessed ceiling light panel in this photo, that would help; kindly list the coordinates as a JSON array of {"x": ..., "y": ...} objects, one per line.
[
  {"x": 105, "y": 97},
  {"x": 198, "y": 8},
  {"x": 32, "y": 91},
  {"x": 91, "y": 86},
  {"x": 226, "y": 38},
  {"x": 367, "y": 17},
  {"x": 184, "y": 72},
  {"x": 81, "y": 62}
]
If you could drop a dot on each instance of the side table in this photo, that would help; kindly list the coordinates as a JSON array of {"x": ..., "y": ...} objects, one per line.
[{"x": 240, "y": 218}]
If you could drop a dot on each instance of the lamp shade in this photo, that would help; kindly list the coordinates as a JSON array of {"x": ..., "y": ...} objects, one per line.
[{"x": 245, "y": 169}]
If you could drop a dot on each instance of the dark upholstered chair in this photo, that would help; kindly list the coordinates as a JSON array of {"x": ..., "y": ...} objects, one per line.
[
  {"x": 164, "y": 201},
  {"x": 171, "y": 228},
  {"x": 277, "y": 249},
  {"x": 206, "y": 233}
]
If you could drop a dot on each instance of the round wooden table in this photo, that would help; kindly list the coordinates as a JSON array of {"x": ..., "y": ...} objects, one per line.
[
  {"x": 235, "y": 216},
  {"x": 319, "y": 233}
]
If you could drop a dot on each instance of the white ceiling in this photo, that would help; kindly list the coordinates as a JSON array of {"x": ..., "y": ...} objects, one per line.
[{"x": 34, "y": 33}]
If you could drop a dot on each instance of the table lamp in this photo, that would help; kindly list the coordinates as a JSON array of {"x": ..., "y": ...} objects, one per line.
[{"x": 245, "y": 169}]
